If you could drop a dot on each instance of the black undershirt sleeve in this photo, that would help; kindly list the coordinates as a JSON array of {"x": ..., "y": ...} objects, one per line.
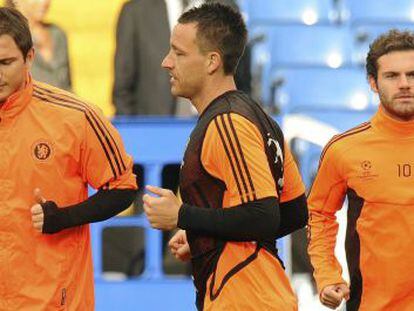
[
  {"x": 293, "y": 216},
  {"x": 102, "y": 205},
  {"x": 253, "y": 221}
]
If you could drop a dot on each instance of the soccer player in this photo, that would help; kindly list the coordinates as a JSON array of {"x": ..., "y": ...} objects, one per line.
[
  {"x": 240, "y": 186},
  {"x": 372, "y": 165},
  {"x": 53, "y": 146}
]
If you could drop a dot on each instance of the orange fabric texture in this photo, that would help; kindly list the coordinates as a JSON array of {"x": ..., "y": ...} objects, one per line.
[
  {"x": 373, "y": 165},
  {"x": 234, "y": 153},
  {"x": 52, "y": 141}
]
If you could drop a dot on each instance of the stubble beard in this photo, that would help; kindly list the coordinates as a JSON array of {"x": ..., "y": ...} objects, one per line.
[{"x": 398, "y": 109}]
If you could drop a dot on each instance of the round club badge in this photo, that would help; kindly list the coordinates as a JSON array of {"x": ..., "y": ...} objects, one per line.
[{"x": 42, "y": 150}]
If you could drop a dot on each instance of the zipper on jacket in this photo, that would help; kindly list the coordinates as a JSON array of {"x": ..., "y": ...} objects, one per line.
[{"x": 63, "y": 297}]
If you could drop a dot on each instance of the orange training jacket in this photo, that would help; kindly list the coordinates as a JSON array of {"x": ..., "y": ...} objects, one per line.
[
  {"x": 55, "y": 142},
  {"x": 373, "y": 166}
]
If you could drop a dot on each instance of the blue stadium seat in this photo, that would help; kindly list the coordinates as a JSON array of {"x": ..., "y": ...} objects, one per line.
[
  {"x": 305, "y": 89},
  {"x": 299, "y": 46},
  {"x": 308, "y": 12},
  {"x": 365, "y": 34},
  {"x": 379, "y": 11},
  {"x": 317, "y": 45}
]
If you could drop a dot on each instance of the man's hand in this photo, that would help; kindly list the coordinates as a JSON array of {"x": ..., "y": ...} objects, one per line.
[
  {"x": 161, "y": 211},
  {"x": 331, "y": 296},
  {"x": 37, "y": 211},
  {"x": 179, "y": 246}
]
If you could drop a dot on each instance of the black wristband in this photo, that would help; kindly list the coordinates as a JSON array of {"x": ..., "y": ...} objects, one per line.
[{"x": 53, "y": 217}]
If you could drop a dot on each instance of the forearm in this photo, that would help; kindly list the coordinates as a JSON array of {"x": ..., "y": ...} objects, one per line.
[
  {"x": 323, "y": 229},
  {"x": 100, "y": 206},
  {"x": 253, "y": 221},
  {"x": 293, "y": 216}
]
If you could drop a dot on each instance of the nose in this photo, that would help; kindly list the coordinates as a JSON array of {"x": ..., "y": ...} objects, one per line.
[
  {"x": 403, "y": 82},
  {"x": 167, "y": 62}
]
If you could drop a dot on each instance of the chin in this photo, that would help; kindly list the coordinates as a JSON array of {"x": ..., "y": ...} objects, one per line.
[
  {"x": 404, "y": 114},
  {"x": 176, "y": 92}
]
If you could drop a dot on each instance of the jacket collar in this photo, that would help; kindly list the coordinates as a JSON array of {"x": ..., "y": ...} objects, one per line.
[
  {"x": 392, "y": 127},
  {"x": 18, "y": 100}
]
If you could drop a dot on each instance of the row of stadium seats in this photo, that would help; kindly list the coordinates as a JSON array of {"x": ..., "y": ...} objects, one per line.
[
  {"x": 309, "y": 12},
  {"x": 280, "y": 50}
]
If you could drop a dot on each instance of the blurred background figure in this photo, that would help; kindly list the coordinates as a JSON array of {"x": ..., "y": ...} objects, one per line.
[
  {"x": 141, "y": 87},
  {"x": 51, "y": 64}
]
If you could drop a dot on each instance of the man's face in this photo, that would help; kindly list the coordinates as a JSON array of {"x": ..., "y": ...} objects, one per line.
[
  {"x": 13, "y": 67},
  {"x": 395, "y": 84},
  {"x": 185, "y": 62}
]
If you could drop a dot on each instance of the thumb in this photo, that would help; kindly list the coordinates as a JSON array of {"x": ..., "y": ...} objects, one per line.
[
  {"x": 345, "y": 292},
  {"x": 38, "y": 196},
  {"x": 157, "y": 190}
]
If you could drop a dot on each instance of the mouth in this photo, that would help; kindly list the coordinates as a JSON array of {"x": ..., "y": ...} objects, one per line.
[
  {"x": 404, "y": 96},
  {"x": 172, "y": 78}
]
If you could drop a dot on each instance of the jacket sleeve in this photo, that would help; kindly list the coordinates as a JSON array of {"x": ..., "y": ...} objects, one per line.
[
  {"x": 104, "y": 161},
  {"x": 325, "y": 199}
]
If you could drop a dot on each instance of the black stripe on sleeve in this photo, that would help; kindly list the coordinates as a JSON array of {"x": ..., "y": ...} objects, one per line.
[
  {"x": 229, "y": 157},
  {"x": 236, "y": 158},
  {"x": 246, "y": 168}
]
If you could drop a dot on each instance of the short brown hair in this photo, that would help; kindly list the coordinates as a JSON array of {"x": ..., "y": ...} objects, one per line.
[
  {"x": 391, "y": 41},
  {"x": 14, "y": 24},
  {"x": 221, "y": 28}
]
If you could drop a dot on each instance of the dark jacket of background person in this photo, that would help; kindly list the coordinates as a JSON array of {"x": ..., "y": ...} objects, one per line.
[
  {"x": 57, "y": 71},
  {"x": 141, "y": 87}
]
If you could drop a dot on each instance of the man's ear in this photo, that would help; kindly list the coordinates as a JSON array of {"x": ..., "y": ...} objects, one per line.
[
  {"x": 373, "y": 84},
  {"x": 30, "y": 58},
  {"x": 214, "y": 62}
]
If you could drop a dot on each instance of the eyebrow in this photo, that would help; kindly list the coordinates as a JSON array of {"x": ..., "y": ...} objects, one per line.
[
  {"x": 7, "y": 59},
  {"x": 398, "y": 72},
  {"x": 176, "y": 48}
]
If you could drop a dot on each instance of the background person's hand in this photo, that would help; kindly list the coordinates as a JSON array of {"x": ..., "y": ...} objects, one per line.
[
  {"x": 331, "y": 296},
  {"x": 161, "y": 209},
  {"x": 179, "y": 246}
]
